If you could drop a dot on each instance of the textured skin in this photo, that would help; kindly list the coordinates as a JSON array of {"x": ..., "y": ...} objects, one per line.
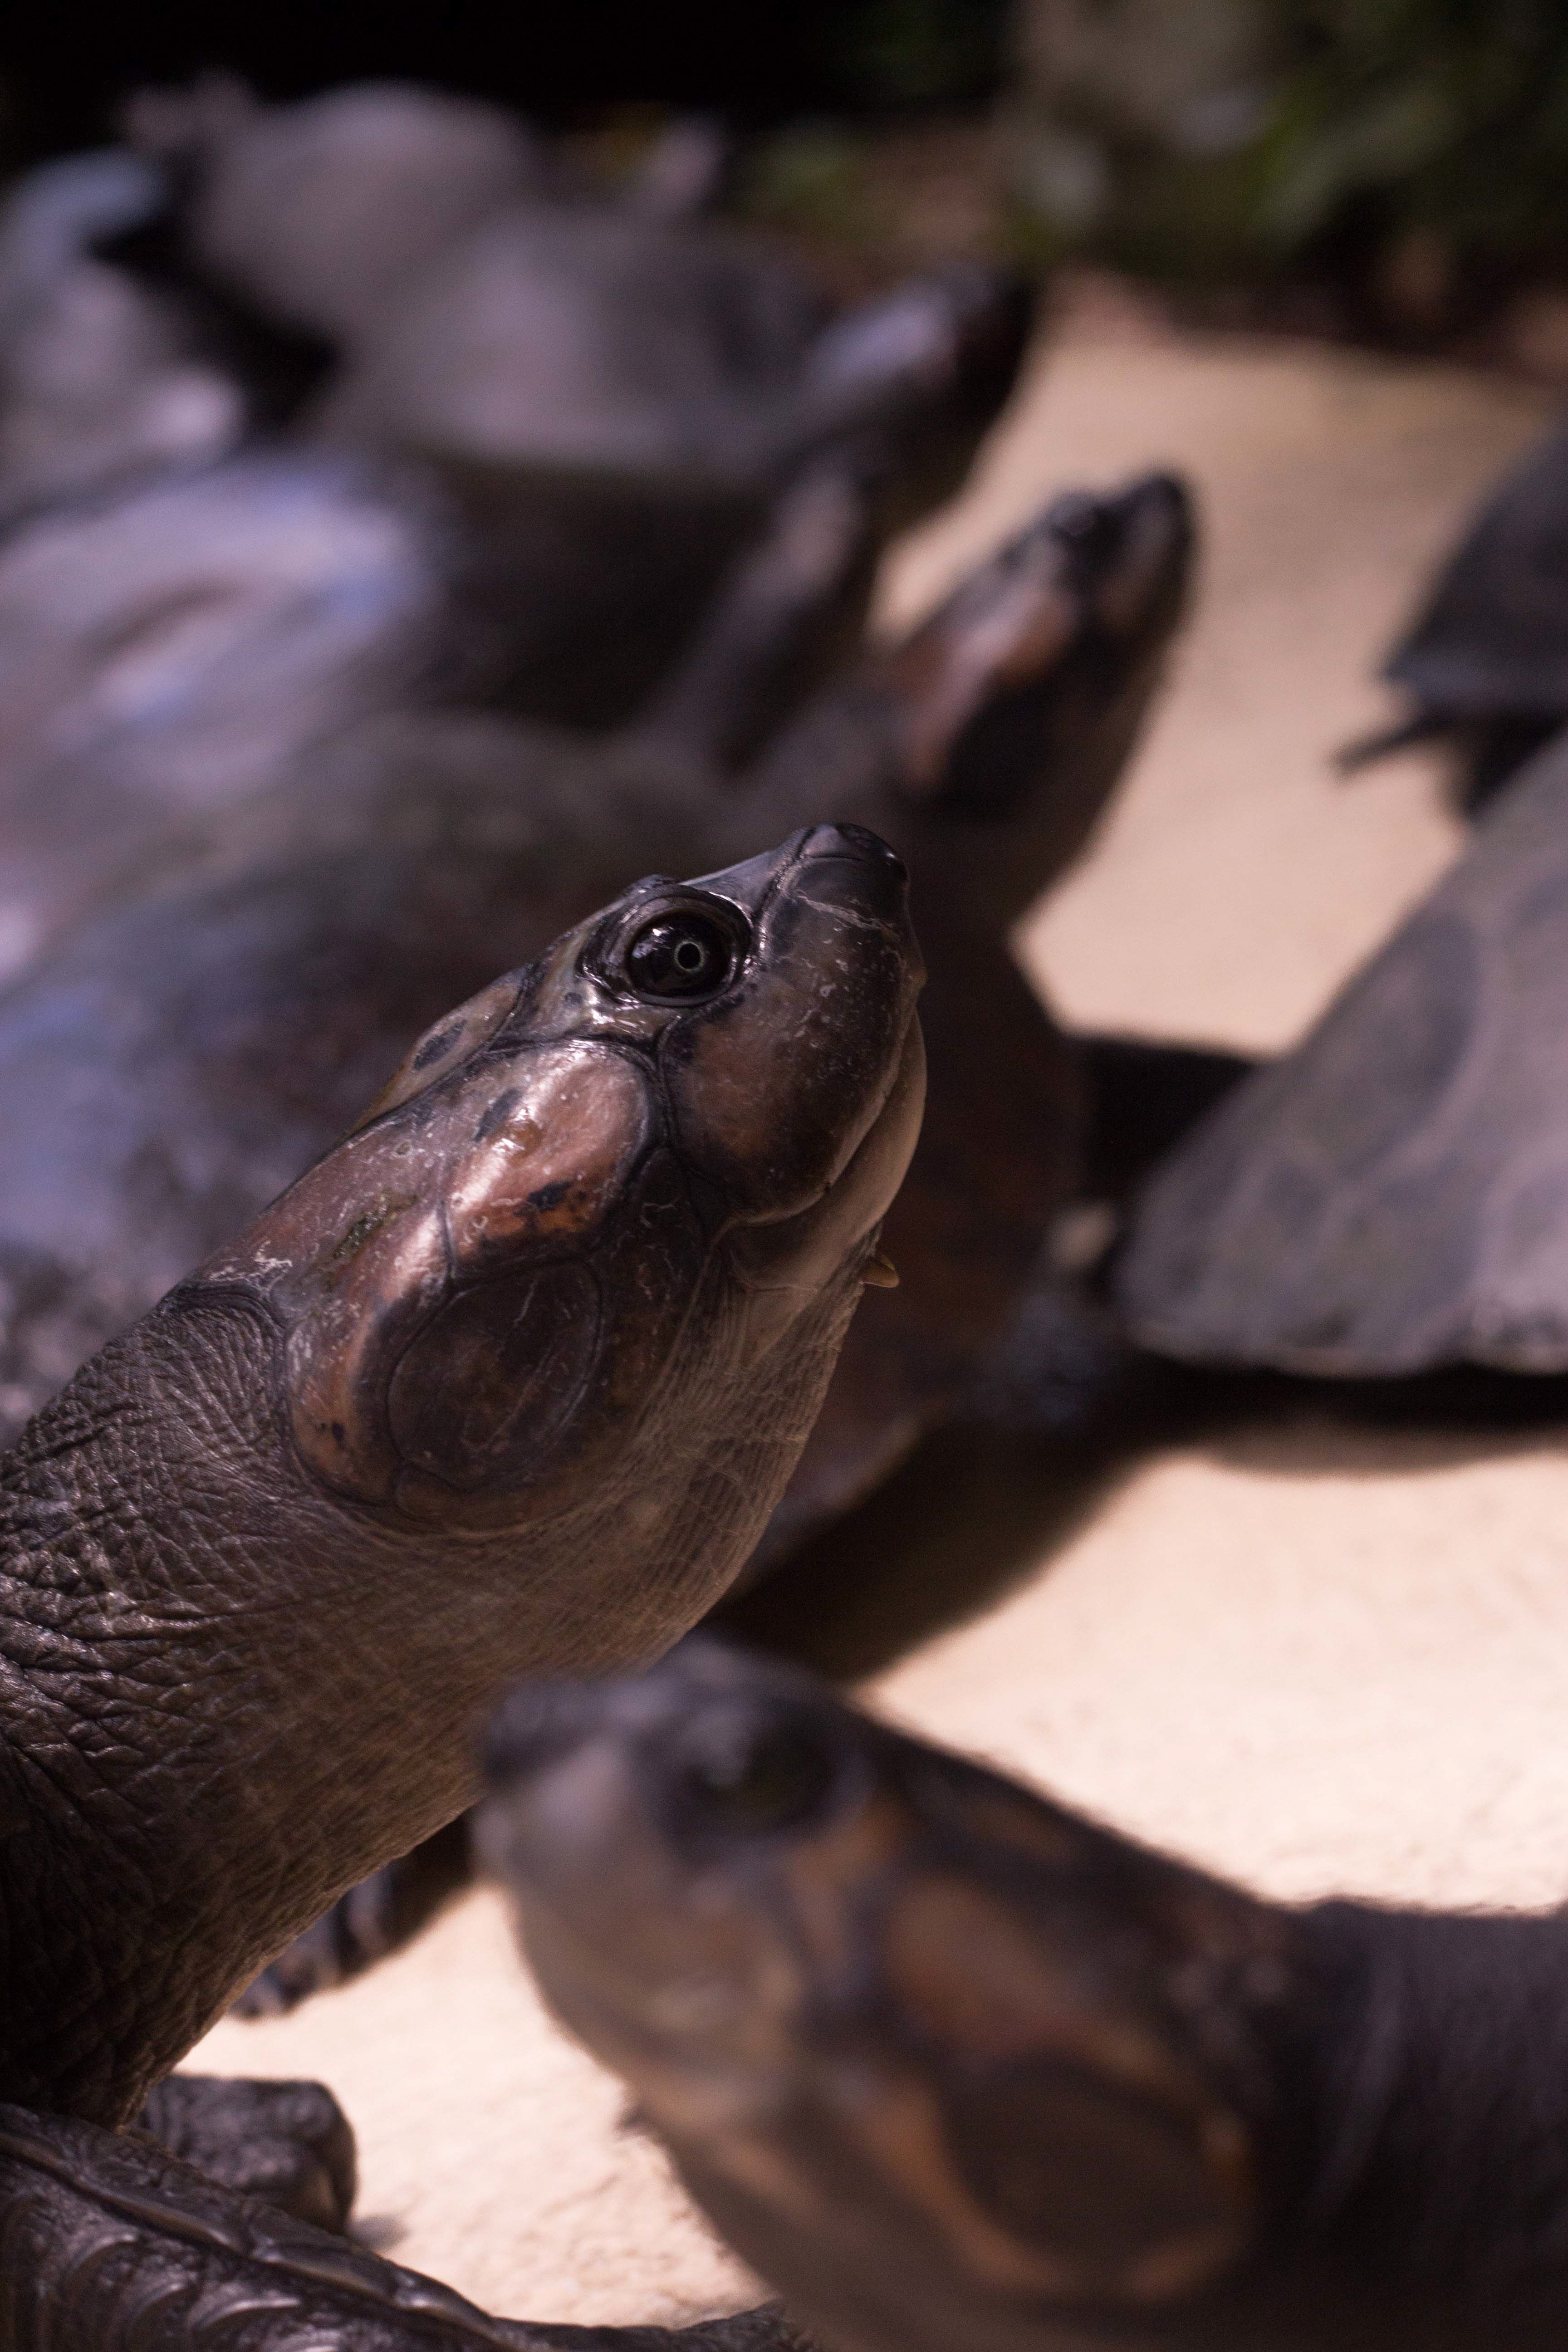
[
  {"x": 263, "y": 1556},
  {"x": 289, "y": 2143},
  {"x": 104, "y": 2244},
  {"x": 1390, "y": 1196},
  {"x": 952, "y": 2066}
]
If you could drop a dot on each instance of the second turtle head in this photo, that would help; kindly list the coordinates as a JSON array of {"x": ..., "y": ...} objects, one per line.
[{"x": 934, "y": 2054}]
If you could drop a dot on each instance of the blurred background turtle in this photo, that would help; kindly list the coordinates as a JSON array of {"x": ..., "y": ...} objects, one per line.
[
  {"x": 1485, "y": 661},
  {"x": 1391, "y": 1197},
  {"x": 948, "y": 2063},
  {"x": 608, "y": 394}
]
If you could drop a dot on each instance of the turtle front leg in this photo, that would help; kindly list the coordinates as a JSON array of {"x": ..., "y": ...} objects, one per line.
[
  {"x": 288, "y": 2144},
  {"x": 107, "y": 2243},
  {"x": 376, "y": 1917}
]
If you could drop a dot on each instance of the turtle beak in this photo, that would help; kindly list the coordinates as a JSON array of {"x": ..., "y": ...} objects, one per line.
[{"x": 853, "y": 867}]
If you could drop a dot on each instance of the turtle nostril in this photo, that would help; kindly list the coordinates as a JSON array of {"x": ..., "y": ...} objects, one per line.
[
  {"x": 833, "y": 840},
  {"x": 864, "y": 838}
]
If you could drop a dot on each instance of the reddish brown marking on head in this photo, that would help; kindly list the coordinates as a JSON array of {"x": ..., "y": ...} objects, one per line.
[{"x": 679, "y": 1132}]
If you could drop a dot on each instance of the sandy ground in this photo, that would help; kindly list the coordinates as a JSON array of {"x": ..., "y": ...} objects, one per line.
[{"x": 1313, "y": 1659}]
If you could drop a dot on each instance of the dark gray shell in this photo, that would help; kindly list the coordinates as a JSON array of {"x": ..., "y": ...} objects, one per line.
[
  {"x": 1393, "y": 1195},
  {"x": 1492, "y": 639},
  {"x": 613, "y": 399},
  {"x": 169, "y": 649}
]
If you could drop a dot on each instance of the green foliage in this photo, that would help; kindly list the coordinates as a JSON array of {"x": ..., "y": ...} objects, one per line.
[
  {"x": 1237, "y": 137},
  {"x": 1449, "y": 115},
  {"x": 917, "y": 53},
  {"x": 812, "y": 177}
]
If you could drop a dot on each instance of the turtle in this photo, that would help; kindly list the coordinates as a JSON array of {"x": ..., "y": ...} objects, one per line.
[
  {"x": 177, "y": 1061},
  {"x": 323, "y": 212},
  {"x": 1485, "y": 660},
  {"x": 186, "y": 1053},
  {"x": 610, "y": 398},
  {"x": 1391, "y": 1197},
  {"x": 97, "y": 380},
  {"x": 954, "y": 2066},
  {"x": 169, "y": 648},
  {"x": 512, "y": 1375}
]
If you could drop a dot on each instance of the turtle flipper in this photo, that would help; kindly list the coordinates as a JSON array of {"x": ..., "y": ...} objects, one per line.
[
  {"x": 381, "y": 1915},
  {"x": 288, "y": 2144},
  {"x": 106, "y": 2242}
]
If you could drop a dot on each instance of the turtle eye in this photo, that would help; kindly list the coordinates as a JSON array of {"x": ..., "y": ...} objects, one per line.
[
  {"x": 680, "y": 956},
  {"x": 749, "y": 1778}
]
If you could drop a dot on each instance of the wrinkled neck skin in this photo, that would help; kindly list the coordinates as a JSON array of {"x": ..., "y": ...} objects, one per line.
[
  {"x": 227, "y": 1696},
  {"x": 1416, "y": 2147},
  {"x": 1431, "y": 2205}
]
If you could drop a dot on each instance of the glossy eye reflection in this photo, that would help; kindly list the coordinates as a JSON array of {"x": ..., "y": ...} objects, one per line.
[
  {"x": 750, "y": 1779},
  {"x": 679, "y": 956}
]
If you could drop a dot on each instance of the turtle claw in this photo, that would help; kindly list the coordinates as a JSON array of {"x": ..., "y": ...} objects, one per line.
[
  {"x": 288, "y": 2144},
  {"x": 201, "y": 2266}
]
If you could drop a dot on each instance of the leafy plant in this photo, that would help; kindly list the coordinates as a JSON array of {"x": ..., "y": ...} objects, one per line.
[{"x": 1446, "y": 114}]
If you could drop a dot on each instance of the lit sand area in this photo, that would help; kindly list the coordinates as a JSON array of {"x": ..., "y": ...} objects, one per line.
[{"x": 1311, "y": 1658}]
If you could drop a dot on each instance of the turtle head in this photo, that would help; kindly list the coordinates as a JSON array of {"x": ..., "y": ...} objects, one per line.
[
  {"x": 609, "y": 1198},
  {"x": 917, "y": 2039},
  {"x": 1015, "y": 704}
]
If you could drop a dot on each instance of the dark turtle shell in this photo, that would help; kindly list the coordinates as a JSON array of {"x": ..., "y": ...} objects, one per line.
[
  {"x": 1393, "y": 1195},
  {"x": 1486, "y": 660},
  {"x": 1492, "y": 638},
  {"x": 611, "y": 396}
]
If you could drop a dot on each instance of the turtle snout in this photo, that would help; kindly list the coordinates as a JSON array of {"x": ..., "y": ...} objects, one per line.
[
  {"x": 849, "y": 866},
  {"x": 1138, "y": 550},
  {"x": 832, "y": 840}
]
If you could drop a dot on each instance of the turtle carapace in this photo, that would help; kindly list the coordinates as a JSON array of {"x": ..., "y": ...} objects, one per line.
[{"x": 1485, "y": 660}]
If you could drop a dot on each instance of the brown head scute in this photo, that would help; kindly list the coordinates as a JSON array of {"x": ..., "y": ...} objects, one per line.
[
  {"x": 730, "y": 1066},
  {"x": 900, "y": 2021}
]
